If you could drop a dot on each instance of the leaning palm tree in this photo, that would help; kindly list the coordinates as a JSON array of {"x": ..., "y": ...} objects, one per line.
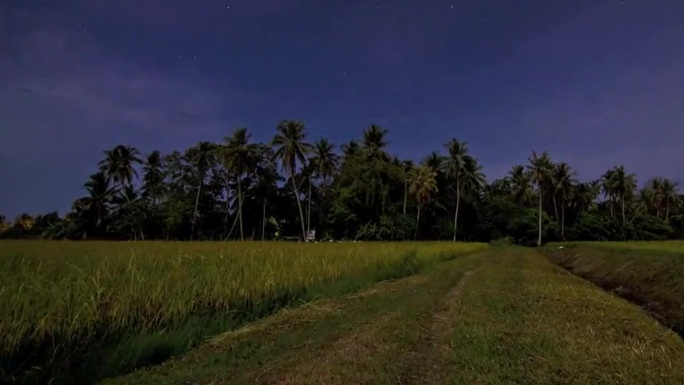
[
  {"x": 239, "y": 157},
  {"x": 119, "y": 164},
  {"x": 453, "y": 167},
  {"x": 540, "y": 167},
  {"x": 290, "y": 149},
  {"x": 201, "y": 157},
  {"x": 564, "y": 183},
  {"x": 423, "y": 184}
]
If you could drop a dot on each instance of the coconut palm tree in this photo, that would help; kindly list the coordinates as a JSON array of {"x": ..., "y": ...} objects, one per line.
[
  {"x": 265, "y": 181},
  {"x": 374, "y": 142},
  {"x": 350, "y": 148},
  {"x": 239, "y": 157},
  {"x": 407, "y": 166},
  {"x": 324, "y": 159},
  {"x": 423, "y": 184},
  {"x": 540, "y": 167},
  {"x": 99, "y": 199},
  {"x": 474, "y": 179},
  {"x": 453, "y": 167},
  {"x": 153, "y": 177},
  {"x": 323, "y": 165},
  {"x": 564, "y": 183},
  {"x": 609, "y": 188},
  {"x": 119, "y": 164},
  {"x": 201, "y": 157},
  {"x": 520, "y": 182},
  {"x": 624, "y": 185},
  {"x": 669, "y": 194},
  {"x": 290, "y": 150}
]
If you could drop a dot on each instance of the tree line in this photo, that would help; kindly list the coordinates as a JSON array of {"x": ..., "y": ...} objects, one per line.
[{"x": 240, "y": 189}]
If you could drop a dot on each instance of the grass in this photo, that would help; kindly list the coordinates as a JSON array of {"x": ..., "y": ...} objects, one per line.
[
  {"x": 650, "y": 274},
  {"x": 505, "y": 316},
  {"x": 80, "y": 311},
  {"x": 526, "y": 321}
]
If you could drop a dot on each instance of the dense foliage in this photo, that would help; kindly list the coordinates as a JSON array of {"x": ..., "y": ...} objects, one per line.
[{"x": 239, "y": 189}]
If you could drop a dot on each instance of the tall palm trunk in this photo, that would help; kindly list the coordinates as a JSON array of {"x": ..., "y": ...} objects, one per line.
[
  {"x": 417, "y": 222},
  {"x": 611, "y": 207},
  {"x": 539, "y": 240},
  {"x": 242, "y": 234},
  {"x": 458, "y": 203},
  {"x": 194, "y": 213},
  {"x": 555, "y": 207},
  {"x": 405, "y": 194},
  {"x": 623, "y": 210},
  {"x": 308, "y": 210},
  {"x": 562, "y": 217},
  {"x": 263, "y": 220},
  {"x": 299, "y": 205},
  {"x": 667, "y": 211}
]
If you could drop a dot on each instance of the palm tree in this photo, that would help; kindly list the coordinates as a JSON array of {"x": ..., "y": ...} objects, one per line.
[
  {"x": 239, "y": 157},
  {"x": 265, "y": 179},
  {"x": 407, "y": 166},
  {"x": 453, "y": 168},
  {"x": 374, "y": 142},
  {"x": 291, "y": 149},
  {"x": 520, "y": 181},
  {"x": 324, "y": 159},
  {"x": 624, "y": 185},
  {"x": 609, "y": 188},
  {"x": 324, "y": 165},
  {"x": 118, "y": 165},
  {"x": 99, "y": 199},
  {"x": 474, "y": 179},
  {"x": 201, "y": 156},
  {"x": 423, "y": 184},
  {"x": 540, "y": 167},
  {"x": 564, "y": 179},
  {"x": 350, "y": 148},
  {"x": 153, "y": 176},
  {"x": 670, "y": 194}
]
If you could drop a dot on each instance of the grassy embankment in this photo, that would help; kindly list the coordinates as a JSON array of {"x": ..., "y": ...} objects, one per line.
[
  {"x": 650, "y": 274},
  {"x": 79, "y": 311},
  {"x": 507, "y": 316}
]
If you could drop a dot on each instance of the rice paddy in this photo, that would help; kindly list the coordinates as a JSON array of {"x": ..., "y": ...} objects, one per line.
[
  {"x": 374, "y": 313},
  {"x": 118, "y": 305}
]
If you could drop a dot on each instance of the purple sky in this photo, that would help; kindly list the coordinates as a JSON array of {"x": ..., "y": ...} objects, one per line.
[{"x": 596, "y": 83}]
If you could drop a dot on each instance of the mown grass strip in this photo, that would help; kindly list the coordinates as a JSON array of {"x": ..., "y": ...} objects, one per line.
[
  {"x": 525, "y": 321},
  {"x": 364, "y": 337},
  {"x": 649, "y": 274}
]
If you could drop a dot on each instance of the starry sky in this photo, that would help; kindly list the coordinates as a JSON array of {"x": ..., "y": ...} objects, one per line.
[{"x": 596, "y": 83}]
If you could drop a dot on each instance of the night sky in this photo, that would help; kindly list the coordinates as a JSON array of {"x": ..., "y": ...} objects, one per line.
[{"x": 596, "y": 83}]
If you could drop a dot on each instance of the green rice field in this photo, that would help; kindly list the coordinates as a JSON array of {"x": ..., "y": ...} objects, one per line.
[{"x": 339, "y": 313}]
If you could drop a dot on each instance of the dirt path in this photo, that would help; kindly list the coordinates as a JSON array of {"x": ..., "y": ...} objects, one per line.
[{"x": 431, "y": 357}]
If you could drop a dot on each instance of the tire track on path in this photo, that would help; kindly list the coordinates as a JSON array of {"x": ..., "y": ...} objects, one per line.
[{"x": 428, "y": 363}]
